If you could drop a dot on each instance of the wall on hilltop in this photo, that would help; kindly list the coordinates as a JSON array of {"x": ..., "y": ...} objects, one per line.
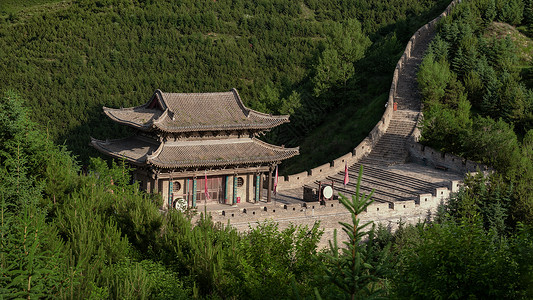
[{"x": 366, "y": 146}]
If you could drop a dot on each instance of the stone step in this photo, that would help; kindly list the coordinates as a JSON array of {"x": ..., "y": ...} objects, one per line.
[
  {"x": 399, "y": 189},
  {"x": 412, "y": 182},
  {"x": 383, "y": 161},
  {"x": 379, "y": 195}
]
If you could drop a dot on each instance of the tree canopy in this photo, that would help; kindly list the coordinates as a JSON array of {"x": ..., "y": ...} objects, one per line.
[{"x": 306, "y": 58}]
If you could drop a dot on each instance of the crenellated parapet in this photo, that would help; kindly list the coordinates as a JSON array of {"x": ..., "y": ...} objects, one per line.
[
  {"x": 428, "y": 156},
  {"x": 421, "y": 207}
]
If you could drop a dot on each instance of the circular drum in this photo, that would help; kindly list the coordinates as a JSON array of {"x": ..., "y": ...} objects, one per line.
[
  {"x": 327, "y": 191},
  {"x": 180, "y": 204}
]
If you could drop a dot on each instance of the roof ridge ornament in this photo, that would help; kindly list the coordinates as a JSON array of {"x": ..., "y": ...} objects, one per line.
[
  {"x": 158, "y": 95},
  {"x": 245, "y": 109},
  {"x": 150, "y": 157}
]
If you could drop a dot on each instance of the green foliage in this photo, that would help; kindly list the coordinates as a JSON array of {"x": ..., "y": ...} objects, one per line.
[
  {"x": 356, "y": 268},
  {"x": 32, "y": 258},
  {"x": 470, "y": 251},
  {"x": 445, "y": 127},
  {"x": 271, "y": 257},
  {"x": 479, "y": 107},
  {"x": 498, "y": 141},
  {"x": 142, "y": 280},
  {"x": 259, "y": 264},
  {"x": 457, "y": 261},
  {"x": 511, "y": 11},
  {"x": 433, "y": 78},
  {"x": 38, "y": 165},
  {"x": 522, "y": 208},
  {"x": 487, "y": 64},
  {"x": 86, "y": 54},
  {"x": 522, "y": 244},
  {"x": 486, "y": 198},
  {"x": 344, "y": 47}
]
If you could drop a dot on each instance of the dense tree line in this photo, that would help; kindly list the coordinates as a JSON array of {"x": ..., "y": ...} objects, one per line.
[
  {"x": 305, "y": 58},
  {"x": 72, "y": 235},
  {"x": 478, "y": 100}
]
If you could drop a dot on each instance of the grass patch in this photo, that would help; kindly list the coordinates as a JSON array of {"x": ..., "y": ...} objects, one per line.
[
  {"x": 13, "y": 6},
  {"x": 523, "y": 43},
  {"x": 18, "y": 9},
  {"x": 306, "y": 12}
]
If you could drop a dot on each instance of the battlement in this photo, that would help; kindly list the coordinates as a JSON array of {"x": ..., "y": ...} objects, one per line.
[
  {"x": 419, "y": 207},
  {"x": 428, "y": 156}
]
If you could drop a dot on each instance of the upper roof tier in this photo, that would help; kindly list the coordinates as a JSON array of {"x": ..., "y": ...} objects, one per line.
[
  {"x": 187, "y": 112},
  {"x": 202, "y": 153}
]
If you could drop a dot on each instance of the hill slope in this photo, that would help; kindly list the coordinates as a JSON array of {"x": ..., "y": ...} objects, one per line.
[{"x": 71, "y": 58}]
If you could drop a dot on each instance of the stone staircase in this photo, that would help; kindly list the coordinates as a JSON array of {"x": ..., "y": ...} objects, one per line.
[
  {"x": 389, "y": 187},
  {"x": 391, "y": 149}
]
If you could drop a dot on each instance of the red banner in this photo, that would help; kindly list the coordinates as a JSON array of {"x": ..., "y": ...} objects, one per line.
[{"x": 346, "y": 177}]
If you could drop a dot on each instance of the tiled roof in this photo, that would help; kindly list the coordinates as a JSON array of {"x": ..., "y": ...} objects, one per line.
[
  {"x": 203, "y": 153},
  {"x": 134, "y": 149},
  {"x": 186, "y": 112},
  {"x": 138, "y": 117}
]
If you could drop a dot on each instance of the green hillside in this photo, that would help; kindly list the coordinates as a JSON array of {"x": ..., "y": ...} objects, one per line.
[
  {"x": 311, "y": 59},
  {"x": 87, "y": 233},
  {"x": 478, "y": 100}
]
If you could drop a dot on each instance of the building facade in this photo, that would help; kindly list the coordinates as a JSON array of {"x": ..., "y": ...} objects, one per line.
[{"x": 198, "y": 148}]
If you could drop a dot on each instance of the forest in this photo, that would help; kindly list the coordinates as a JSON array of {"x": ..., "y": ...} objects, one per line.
[
  {"x": 303, "y": 58},
  {"x": 477, "y": 85},
  {"x": 69, "y": 231}
]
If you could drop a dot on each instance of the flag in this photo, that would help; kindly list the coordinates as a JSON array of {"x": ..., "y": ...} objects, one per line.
[
  {"x": 346, "y": 177},
  {"x": 276, "y": 181},
  {"x": 205, "y": 185}
]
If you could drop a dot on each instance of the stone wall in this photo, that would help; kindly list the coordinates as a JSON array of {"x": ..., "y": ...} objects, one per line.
[
  {"x": 406, "y": 209},
  {"x": 329, "y": 215},
  {"x": 428, "y": 156},
  {"x": 337, "y": 165}
]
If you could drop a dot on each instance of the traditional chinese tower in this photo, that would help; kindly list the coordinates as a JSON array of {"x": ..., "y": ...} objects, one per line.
[{"x": 185, "y": 141}]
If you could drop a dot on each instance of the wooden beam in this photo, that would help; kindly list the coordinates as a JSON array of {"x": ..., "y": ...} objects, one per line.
[{"x": 199, "y": 173}]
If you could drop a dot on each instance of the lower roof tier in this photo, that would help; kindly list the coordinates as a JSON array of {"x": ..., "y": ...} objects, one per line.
[{"x": 186, "y": 154}]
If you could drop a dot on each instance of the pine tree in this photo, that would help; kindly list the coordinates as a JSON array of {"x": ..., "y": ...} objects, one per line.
[
  {"x": 356, "y": 268},
  {"x": 32, "y": 259}
]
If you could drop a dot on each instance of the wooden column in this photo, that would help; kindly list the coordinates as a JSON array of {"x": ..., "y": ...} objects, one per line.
[
  {"x": 234, "y": 189},
  {"x": 269, "y": 185},
  {"x": 170, "y": 193},
  {"x": 186, "y": 192},
  {"x": 257, "y": 188},
  {"x": 226, "y": 189},
  {"x": 249, "y": 187},
  {"x": 194, "y": 192}
]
